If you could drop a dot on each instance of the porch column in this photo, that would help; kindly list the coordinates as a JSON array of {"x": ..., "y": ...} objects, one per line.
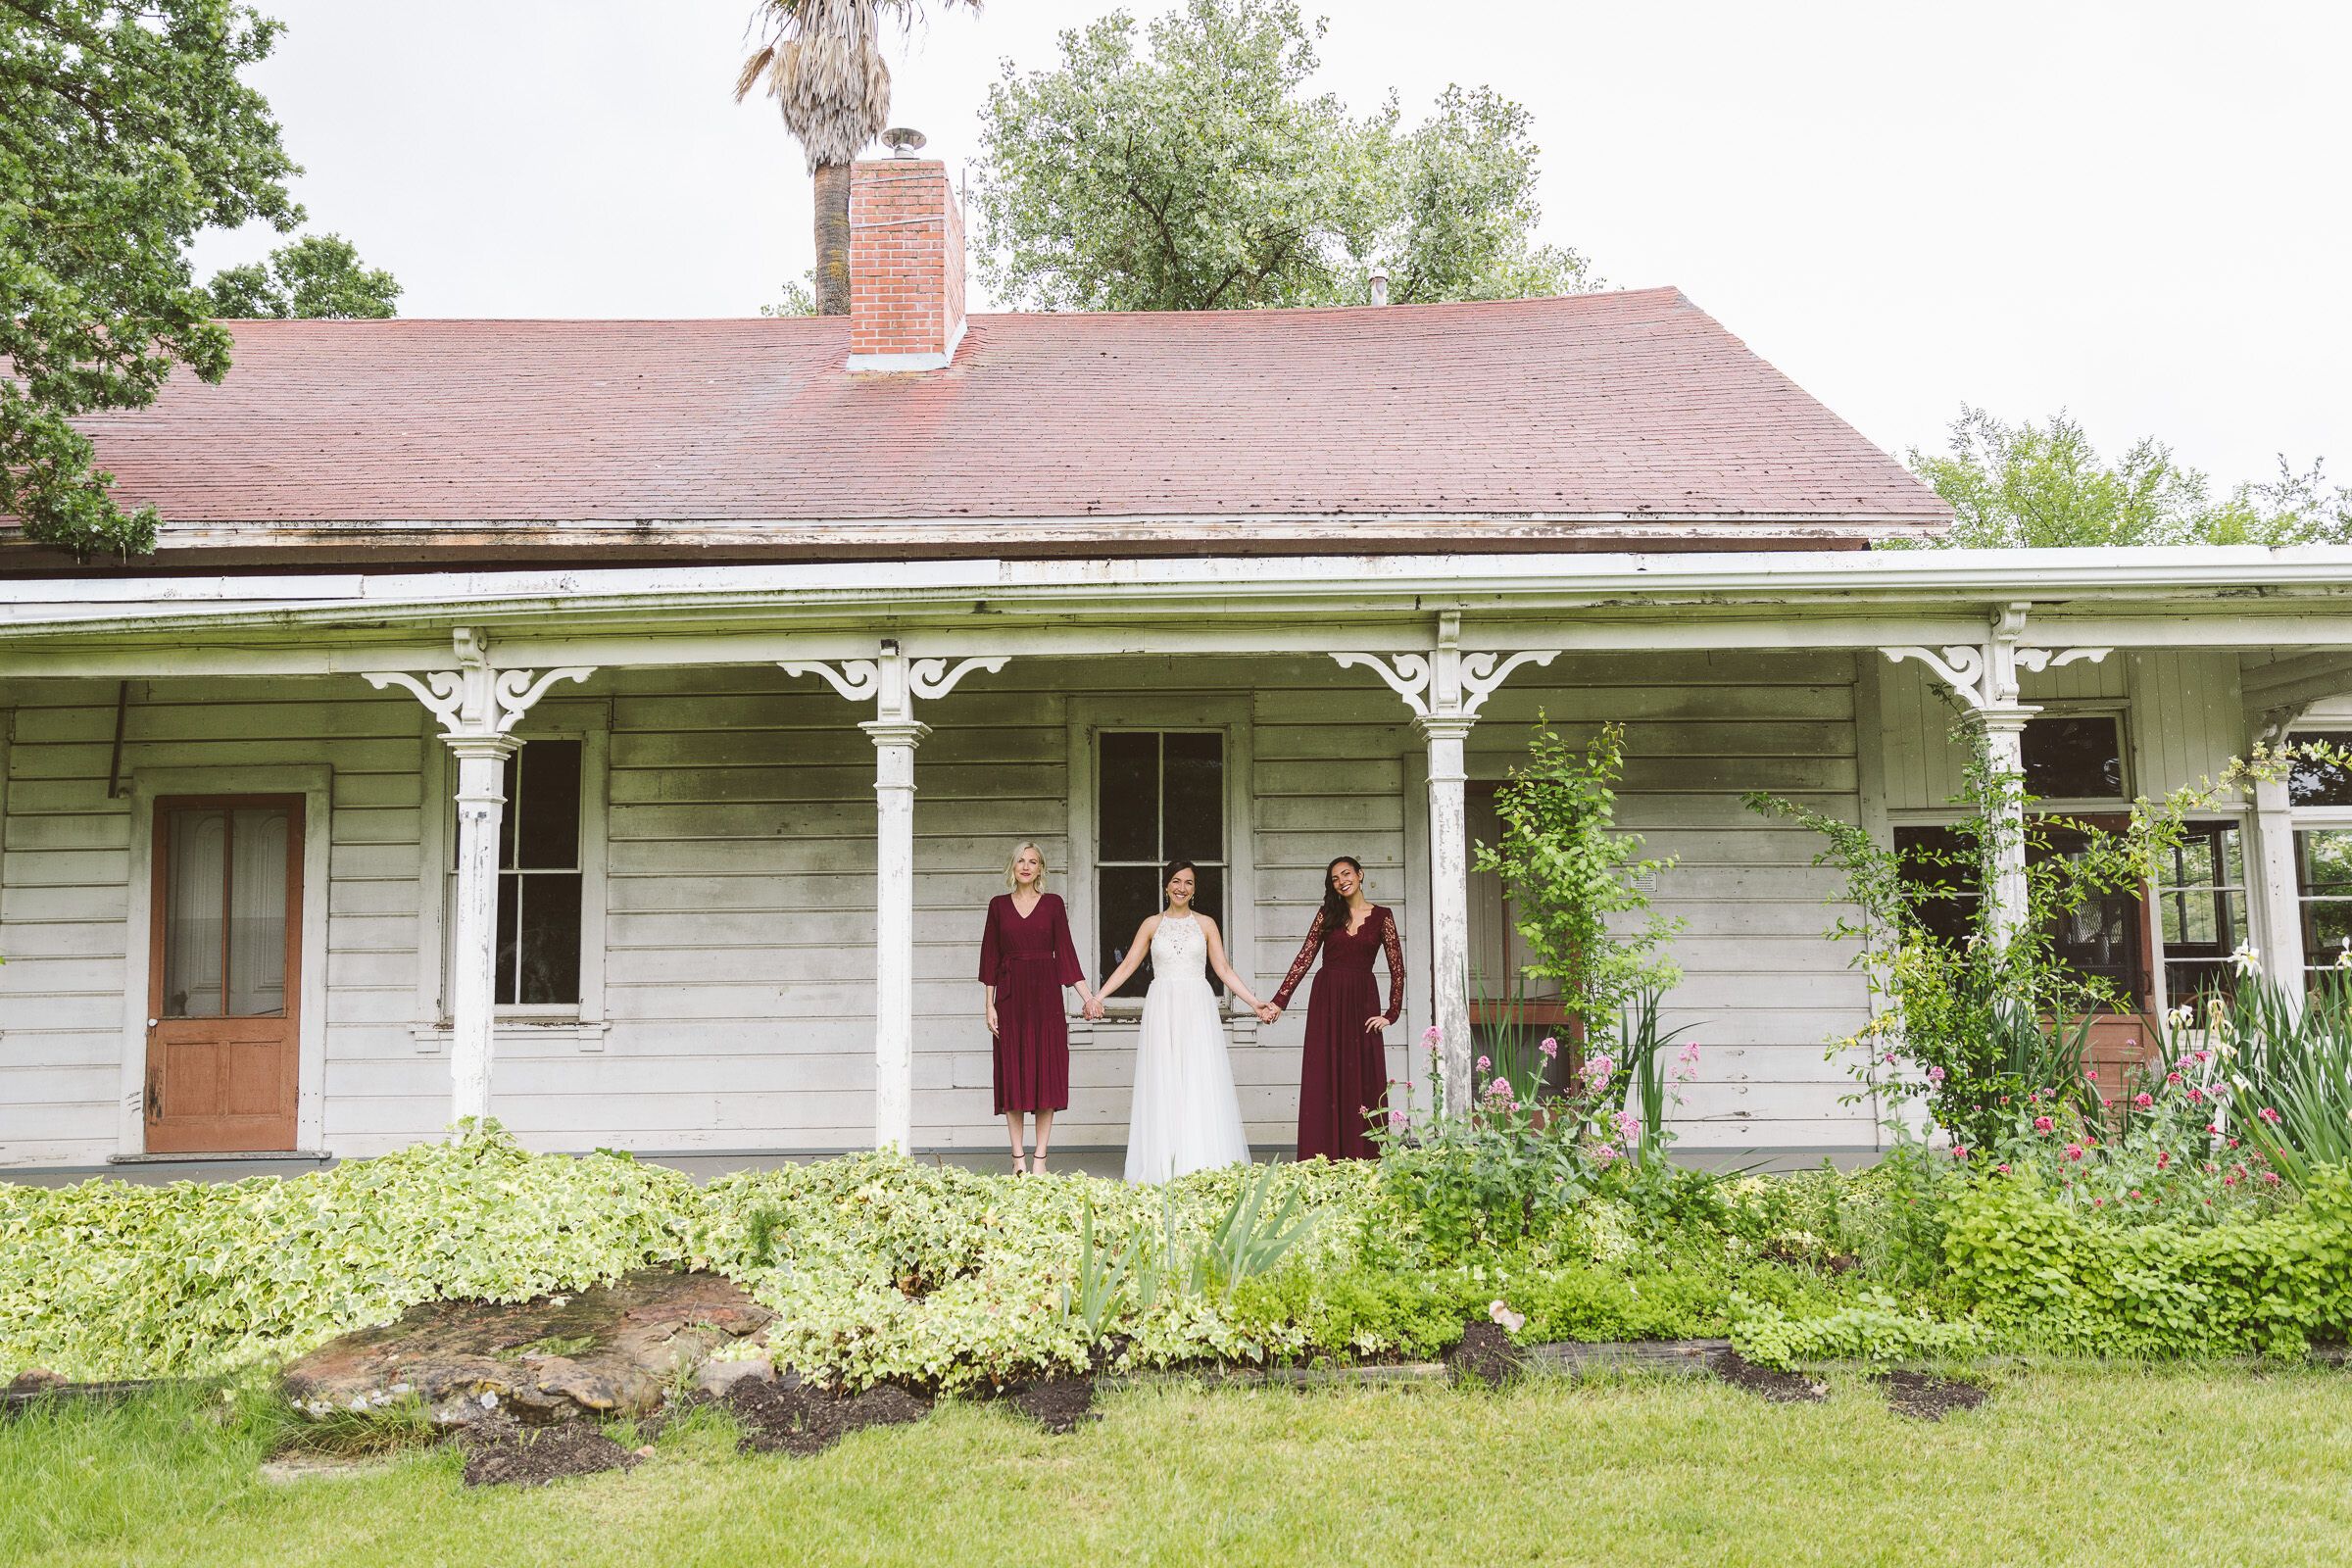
[
  {"x": 2275, "y": 870},
  {"x": 1983, "y": 677},
  {"x": 2004, "y": 728},
  {"x": 893, "y": 681},
  {"x": 473, "y": 925},
  {"x": 1445, "y": 689},
  {"x": 479, "y": 708},
  {"x": 1448, "y": 901}
]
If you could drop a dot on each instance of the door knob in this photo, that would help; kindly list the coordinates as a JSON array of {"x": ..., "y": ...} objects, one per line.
[{"x": 151, "y": 1023}]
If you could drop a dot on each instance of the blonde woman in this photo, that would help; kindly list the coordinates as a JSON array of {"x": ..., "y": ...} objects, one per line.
[{"x": 1026, "y": 957}]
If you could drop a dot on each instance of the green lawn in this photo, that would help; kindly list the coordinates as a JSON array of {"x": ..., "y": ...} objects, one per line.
[{"x": 2073, "y": 1464}]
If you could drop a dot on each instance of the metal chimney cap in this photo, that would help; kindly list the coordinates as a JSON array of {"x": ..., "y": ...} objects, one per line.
[{"x": 904, "y": 141}]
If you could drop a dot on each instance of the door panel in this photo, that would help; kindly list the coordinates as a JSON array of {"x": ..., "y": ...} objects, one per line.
[{"x": 223, "y": 994}]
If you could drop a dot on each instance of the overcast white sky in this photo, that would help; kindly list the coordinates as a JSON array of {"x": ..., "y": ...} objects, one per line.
[{"x": 2136, "y": 211}]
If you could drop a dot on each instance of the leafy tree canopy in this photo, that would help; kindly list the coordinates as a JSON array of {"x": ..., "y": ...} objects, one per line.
[
  {"x": 124, "y": 130},
  {"x": 2046, "y": 486},
  {"x": 317, "y": 277},
  {"x": 1183, "y": 166}
]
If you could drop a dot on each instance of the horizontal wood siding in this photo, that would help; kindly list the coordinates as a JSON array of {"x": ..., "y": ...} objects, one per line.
[
  {"x": 1762, "y": 988},
  {"x": 64, "y": 890}
]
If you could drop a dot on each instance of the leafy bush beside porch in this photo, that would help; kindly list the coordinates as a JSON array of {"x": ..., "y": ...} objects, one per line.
[{"x": 882, "y": 1268}]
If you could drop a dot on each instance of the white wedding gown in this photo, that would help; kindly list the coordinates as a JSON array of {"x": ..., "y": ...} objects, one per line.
[{"x": 1185, "y": 1115}]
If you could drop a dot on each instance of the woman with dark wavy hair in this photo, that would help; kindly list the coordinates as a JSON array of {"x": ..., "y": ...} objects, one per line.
[{"x": 1343, "y": 1079}]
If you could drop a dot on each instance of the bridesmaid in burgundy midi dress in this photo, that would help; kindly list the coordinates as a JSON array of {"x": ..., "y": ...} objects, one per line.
[
  {"x": 1343, "y": 1082},
  {"x": 1026, "y": 957}
]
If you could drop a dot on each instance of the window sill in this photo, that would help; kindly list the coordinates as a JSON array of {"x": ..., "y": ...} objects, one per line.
[
  {"x": 1241, "y": 1025},
  {"x": 588, "y": 1034}
]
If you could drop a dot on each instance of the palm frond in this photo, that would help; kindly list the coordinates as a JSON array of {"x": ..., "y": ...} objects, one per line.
[{"x": 822, "y": 61}]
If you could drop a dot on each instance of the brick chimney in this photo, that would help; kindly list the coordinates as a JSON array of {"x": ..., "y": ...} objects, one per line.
[{"x": 905, "y": 266}]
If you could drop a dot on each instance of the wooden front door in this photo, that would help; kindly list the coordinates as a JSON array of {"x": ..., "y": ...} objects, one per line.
[{"x": 224, "y": 979}]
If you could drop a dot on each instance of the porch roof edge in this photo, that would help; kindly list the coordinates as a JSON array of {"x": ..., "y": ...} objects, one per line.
[{"x": 2250, "y": 575}]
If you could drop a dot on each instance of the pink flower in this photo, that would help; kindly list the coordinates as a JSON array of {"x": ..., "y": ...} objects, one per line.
[
  {"x": 1550, "y": 1047},
  {"x": 2002, "y": 1168},
  {"x": 1432, "y": 1035},
  {"x": 2143, "y": 1098},
  {"x": 2074, "y": 1150},
  {"x": 2233, "y": 1143},
  {"x": 2135, "y": 1191},
  {"x": 2200, "y": 1058},
  {"x": 2269, "y": 1176},
  {"x": 2172, "y": 1077},
  {"x": 2196, "y": 1097},
  {"x": 2043, "y": 1124},
  {"x": 1959, "y": 1153},
  {"x": 1606, "y": 1152},
  {"x": 2163, "y": 1159},
  {"x": 2269, "y": 1115},
  {"x": 1691, "y": 1050},
  {"x": 1934, "y": 1075},
  {"x": 1396, "y": 1121},
  {"x": 1483, "y": 1065},
  {"x": 2098, "y": 1203}
]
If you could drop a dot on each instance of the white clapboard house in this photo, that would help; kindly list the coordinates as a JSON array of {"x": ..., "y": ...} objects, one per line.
[{"x": 620, "y": 726}]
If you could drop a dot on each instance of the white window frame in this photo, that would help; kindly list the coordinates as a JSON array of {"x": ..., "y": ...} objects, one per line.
[
  {"x": 586, "y": 1023},
  {"x": 1087, "y": 718},
  {"x": 2117, "y": 708},
  {"x": 2160, "y": 992}
]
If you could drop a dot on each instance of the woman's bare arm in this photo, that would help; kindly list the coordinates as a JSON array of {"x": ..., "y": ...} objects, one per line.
[
  {"x": 1216, "y": 961},
  {"x": 1133, "y": 962}
]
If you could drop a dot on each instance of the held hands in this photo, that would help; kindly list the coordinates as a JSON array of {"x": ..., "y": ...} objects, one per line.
[
  {"x": 1092, "y": 1011},
  {"x": 1267, "y": 1012}
]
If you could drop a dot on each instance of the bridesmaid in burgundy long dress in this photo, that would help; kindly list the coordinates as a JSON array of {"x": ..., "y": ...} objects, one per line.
[
  {"x": 1026, "y": 957},
  {"x": 1343, "y": 1082}
]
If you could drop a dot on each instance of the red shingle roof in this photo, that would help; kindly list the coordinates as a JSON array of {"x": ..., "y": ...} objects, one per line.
[{"x": 1598, "y": 405}]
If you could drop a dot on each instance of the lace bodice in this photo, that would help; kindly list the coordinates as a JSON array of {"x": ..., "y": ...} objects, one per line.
[
  {"x": 1353, "y": 950},
  {"x": 1178, "y": 949}
]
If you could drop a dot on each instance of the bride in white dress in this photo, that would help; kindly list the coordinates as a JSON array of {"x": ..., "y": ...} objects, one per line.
[{"x": 1185, "y": 1115}]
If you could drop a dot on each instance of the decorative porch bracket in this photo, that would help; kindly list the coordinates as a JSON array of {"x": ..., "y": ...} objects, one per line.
[
  {"x": 1445, "y": 689},
  {"x": 1984, "y": 678},
  {"x": 893, "y": 681},
  {"x": 478, "y": 708}
]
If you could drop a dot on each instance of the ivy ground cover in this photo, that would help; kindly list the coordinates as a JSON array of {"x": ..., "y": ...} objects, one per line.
[{"x": 881, "y": 1268}]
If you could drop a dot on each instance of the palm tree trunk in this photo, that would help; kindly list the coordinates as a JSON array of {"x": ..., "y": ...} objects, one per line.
[{"x": 832, "y": 240}]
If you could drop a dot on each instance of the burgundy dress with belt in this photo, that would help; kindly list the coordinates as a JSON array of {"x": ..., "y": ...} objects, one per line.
[
  {"x": 1029, "y": 958},
  {"x": 1343, "y": 1082}
]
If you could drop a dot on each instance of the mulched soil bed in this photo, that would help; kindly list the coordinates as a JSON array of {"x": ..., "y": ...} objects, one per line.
[
  {"x": 1487, "y": 1354},
  {"x": 803, "y": 1420},
  {"x": 1931, "y": 1399},
  {"x": 1057, "y": 1404},
  {"x": 532, "y": 1456},
  {"x": 1780, "y": 1388}
]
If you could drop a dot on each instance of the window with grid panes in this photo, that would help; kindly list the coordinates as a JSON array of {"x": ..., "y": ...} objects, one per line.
[
  {"x": 2324, "y": 886},
  {"x": 2201, "y": 912},
  {"x": 539, "y": 878},
  {"x": 1159, "y": 796}
]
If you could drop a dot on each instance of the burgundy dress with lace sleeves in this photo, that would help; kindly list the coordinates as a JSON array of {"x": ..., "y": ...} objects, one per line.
[
  {"x": 1344, "y": 1080},
  {"x": 1029, "y": 958}
]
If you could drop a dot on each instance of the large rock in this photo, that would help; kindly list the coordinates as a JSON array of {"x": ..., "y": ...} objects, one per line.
[{"x": 608, "y": 1351}]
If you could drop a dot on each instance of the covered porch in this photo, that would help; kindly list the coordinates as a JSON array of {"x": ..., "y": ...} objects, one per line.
[{"x": 692, "y": 861}]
